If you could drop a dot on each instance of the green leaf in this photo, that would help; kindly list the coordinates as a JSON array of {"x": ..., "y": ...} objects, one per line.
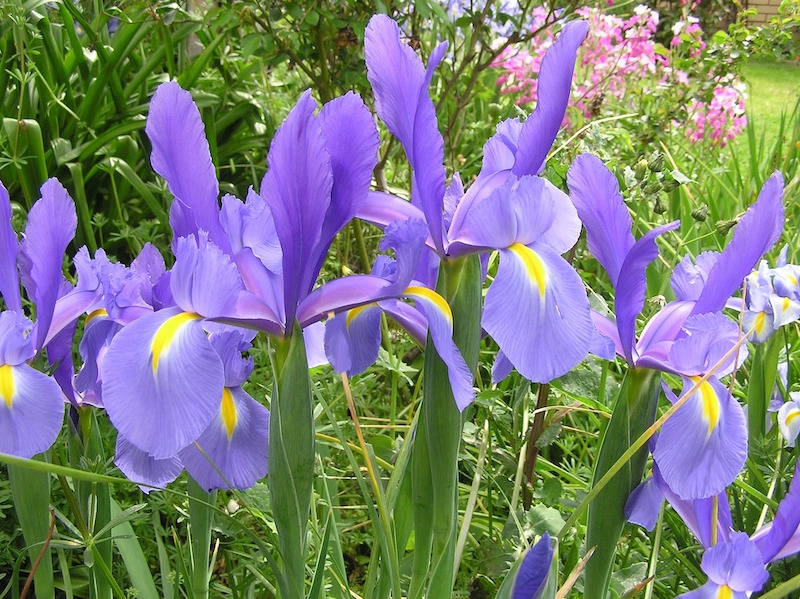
[
  {"x": 132, "y": 556},
  {"x": 634, "y": 412}
]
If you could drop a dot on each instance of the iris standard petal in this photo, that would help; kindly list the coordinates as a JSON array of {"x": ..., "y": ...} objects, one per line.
[
  {"x": 297, "y": 189},
  {"x": 706, "y": 339},
  {"x": 351, "y": 138},
  {"x": 229, "y": 343},
  {"x": 353, "y": 339},
  {"x": 605, "y": 329},
  {"x": 703, "y": 446},
  {"x": 756, "y": 233},
  {"x": 9, "y": 248},
  {"x": 555, "y": 80},
  {"x": 537, "y": 311},
  {"x": 181, "y": 155},
  {"x": 31, "y": 410},
  {"x": 440, "y": 326},
  {"x": 235, "y": 444},
  {"x": 204, "y": 280},
  {"x": 139, "y": 467},
  {"x": 595, "y": 192},
  {"x": 400, "y": 84},
  {"x": 314, "y": 339},
  {"x": 660, "y": 332},
  {"x": 51, "y": 226},
  {"x": 531, "y": 577},
  {"x": 688, "y": 279},
  {"x": 737, "y": 564},
  {"x": 526, "y": 210},
  {"x": 631, "y": 285},
  {"x": 16, "y": 345},
  {"x": 162, "y": 381},
  {"x": 98, "y": 331}
]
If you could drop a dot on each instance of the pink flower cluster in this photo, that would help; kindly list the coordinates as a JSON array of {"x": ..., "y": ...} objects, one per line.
[
  {"x": 619, "y": 60},
  {"x": 720, "y": 120}
]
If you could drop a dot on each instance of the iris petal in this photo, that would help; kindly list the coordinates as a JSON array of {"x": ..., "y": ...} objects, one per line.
[
  {"x": 353, "y": 339},
  {"x": 162, "y": 402},
  {"x": 181, "y": 155},
  {"x": 235, "y": 442},
  {"x": 536, "y": 309},
  {"x": 703, "y": 446},
  {"x": 139, "y": 467},
  {"x": 31, "y": 410},
  {"x": 440, "y": 326},
  {"x": 9, "y": 248}
]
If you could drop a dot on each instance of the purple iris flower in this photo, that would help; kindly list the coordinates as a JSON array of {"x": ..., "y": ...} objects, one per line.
[
  {"x": 703, "y": 446},
  {"x": 252, "y": 264},
  {"x": 32, "y": 406},
  {"x": 232, "y": 451},
  {"x": 735, "y": 564},
  {"x": 508, "y": 208}
]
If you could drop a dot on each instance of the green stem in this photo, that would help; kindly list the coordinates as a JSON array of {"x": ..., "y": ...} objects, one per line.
[
  {"x": 291, "y": 458},
  {"x": 634, "y": 412},
  {"x": 460, "y": 284},
  {"x": 201, "y": 516}
]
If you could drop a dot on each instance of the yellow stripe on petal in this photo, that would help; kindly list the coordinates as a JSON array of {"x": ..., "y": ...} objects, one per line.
[
  {"x": 353, "y": 313},
  {"x": 792, "y": 416},
  {"x": 166, "y": 334},
  {"x": 725, "y": 592},
  {"x": 710, "y": 404},
  {"x": 7, "y": 386},
  {"x": 537, "y": 273},
  {"x": 433, "y": 297},
  {"x": 95, "y": 314},
  {"x": 229, "y": 414},
  {"x": 761, "y": 319}
]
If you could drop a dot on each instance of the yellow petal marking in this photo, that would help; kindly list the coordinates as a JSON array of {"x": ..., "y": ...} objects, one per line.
[
  {"x": 791, "y": 416},
  {"x": 534, "y": 266},
  {"x": 353, "y": 313},
  {"x": 786, "y": 303},
  {"x": 166, "y": 333},
  {"x": 761, "y": 319},
  {"x": 7, "y": 387},
  {"x": 229, "y": 414},
  {"x": 725, "y": 592},
  {"x": 95, "y": 314},
  {"x": 436, "y": 299},
  {"x": 710, "y": 404}
]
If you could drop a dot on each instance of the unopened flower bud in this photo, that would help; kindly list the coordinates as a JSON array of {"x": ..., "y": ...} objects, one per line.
[
  {"x": 700, "y": 214},
  {"x": 651, "y": 188},
  {"x": 641, "y": 170},
  {"x": 659, "y": 207},
  {"x": 724, "y": 226},
  {"x": 657, "y": 163},
  {"x": 669, "y": 184}
]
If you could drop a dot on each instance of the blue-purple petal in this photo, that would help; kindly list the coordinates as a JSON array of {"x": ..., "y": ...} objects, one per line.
[
  {"x": 555, "y": 81},
  {"x": 51, "y": 226},
  {"x": 532, "y": 575},
  {"x": 181, "y": 155},
  {"x": 703, "y": 446},
  {"x": 9, "y": 248},
  {"x": 151, "y": 473},
  {"x": 31, "y": 410},
  {"x": 297, "y": 188},
  {"x": 756, "y": 233},
  {"x": 234, "y": 443},
  {"x": 353, "y": 339},
  {"x": 631, "y": 285},
  {"x": 537, "y": 311},
  {"x": 204, "y": 280},
  {"x": 644, "y": 504},
  {"x": 162, "y": 381},
  {"x": 595, "y": 192}
]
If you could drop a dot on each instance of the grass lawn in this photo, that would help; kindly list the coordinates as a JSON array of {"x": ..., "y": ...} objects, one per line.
[{"x": 773, "y": 88}]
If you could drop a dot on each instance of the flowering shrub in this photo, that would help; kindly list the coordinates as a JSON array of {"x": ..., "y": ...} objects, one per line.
[{"x": 621, "y": 62}]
